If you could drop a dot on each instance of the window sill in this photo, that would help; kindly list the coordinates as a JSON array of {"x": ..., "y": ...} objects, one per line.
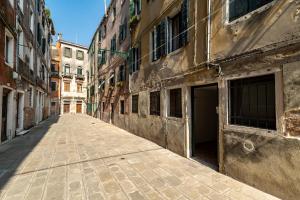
[
  {"x": 175, "y": 52},
  {"x": 250, "y": 130},
  {"x": 177, "y": 119},
  {"x": 249, "y": 15},
  {"x": 9, "y": 64}
]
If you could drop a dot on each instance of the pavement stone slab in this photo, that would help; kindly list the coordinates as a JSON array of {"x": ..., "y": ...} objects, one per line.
[{"x": 79, "y": 157}]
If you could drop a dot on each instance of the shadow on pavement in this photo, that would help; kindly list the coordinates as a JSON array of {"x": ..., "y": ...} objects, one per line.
[{"x": 12, "y": 154}]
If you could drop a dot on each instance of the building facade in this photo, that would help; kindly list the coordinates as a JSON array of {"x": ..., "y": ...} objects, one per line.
[
  {"x": 73, "y": 72},
  {"x": 108, "y": 61},
  {"x": 55, "y": 76},
  {"x": 214, "y": 81},
  {"x": 25, "y": 64}
]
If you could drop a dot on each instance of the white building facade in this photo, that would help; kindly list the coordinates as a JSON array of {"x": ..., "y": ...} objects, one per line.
[{"x": 73, "y": 68}]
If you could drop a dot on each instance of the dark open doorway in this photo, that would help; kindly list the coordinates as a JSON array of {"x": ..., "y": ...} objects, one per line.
[
  {"x": 205, "y": 124},
  {"x": 4, "y": 114}
]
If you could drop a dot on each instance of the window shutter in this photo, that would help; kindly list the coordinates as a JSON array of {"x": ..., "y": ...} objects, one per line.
[
  {"x": 131, "y": 61},
  {"x": 163, "y": 38},
  {"x": 183, "y": 39},
  {"x": 120, "y": 33},
  {"x": 158, "y": 51},
  {"x": 139, "y": 56},
  {"x": 132, "y": 8}
]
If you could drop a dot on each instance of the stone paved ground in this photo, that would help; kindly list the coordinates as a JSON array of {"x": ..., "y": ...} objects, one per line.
[{"x": 78, "y": 157}]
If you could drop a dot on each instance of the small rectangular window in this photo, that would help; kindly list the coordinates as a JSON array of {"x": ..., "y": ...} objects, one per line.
[
  {"x": 53, "y": 86},
  {"x": 67, "y": 69},
  {"x": 175, "y": 103},
  {"x": 68, "y": 52},
  {"x": 239, "y": 8},
  {"x": 79, "y": 87},
  {"x": 252, "y": 102},
  {"x": 79, "y": 55},
  {"x": 113, "y": 45},
  {"x": 121, "y": 76},
  {"x": 9, "y": 48},
  {"x": 155, "y": 103},
  {"x": 122, "y": 107},
  {"x": 67, "y": 86},
  {"x": 135, "y": 104}
]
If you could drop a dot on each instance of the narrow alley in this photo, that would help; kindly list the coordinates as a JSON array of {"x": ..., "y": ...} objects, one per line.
[{"x": 79, "y": 157}]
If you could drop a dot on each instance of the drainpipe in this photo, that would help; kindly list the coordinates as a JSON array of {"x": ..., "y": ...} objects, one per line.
[{"x": 208, "y": 31}]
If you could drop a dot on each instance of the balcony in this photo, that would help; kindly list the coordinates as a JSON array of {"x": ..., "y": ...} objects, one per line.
[
  {"x": 25, "y": 71},
  {"x": 80, "y": 77},
  {"x": 40, "y": 82},
  {"x": 55, "y": 74},
  {"x": 67, "y": 75}
]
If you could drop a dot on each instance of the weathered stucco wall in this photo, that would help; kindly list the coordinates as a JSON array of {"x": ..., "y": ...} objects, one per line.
[
  {"x": 273, "y": 166},
  {"x": 280, "y": 22}
]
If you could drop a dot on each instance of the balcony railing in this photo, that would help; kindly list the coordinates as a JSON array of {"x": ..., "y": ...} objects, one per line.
[
  {"x": 54, "y": 74},
  {"x": 25, "y": 71},
  {"x": 40, "y": 82},
  {"x": 67, "y": 75},
  {"x": 80, "y": 76}
]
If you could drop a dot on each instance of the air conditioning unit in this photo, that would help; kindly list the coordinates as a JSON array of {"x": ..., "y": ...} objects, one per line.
[{"x": 16, "y": 76}]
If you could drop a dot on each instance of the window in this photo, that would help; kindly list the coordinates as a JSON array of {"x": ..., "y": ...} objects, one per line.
[
  {"x": 113, "y": 46},
  {"x": 20, "y": 43},
  {"x": 159, "y": 41},
  {"x": 12, "y": 3},
  {"x": 122, "y": 107},
  {"x": 9, "y": 48},
  {"x": 79, "y": 55},
  {"x": 79, "y": 87},
  {"x": 123, "y": 31},
  {"x": 155, "y": 103},
  {"x": 101, "y": 84},
  {"x": 121, "y": 76},
  {"x": 21, "y": 5},
  {"x": 79, "y": 71},
  {"x": 102, "y": 57},
  {"x": 30, "y": 92},
  {"x": 103, "y": 106},
  {"x": 103, "y": 32},
  {"x": 135, "y": 7},
  {"x": 53, "y": 104},
  {"x": 135, "y": 58},
  {"x": 175, "y": 103},
  {"x": 112, "y": 79},
  {"x": 31, "y": 20},
  {"x": 175, "y": 31},
  {"x": 31, "y": 58},
  {"x": 67, "y": 86},
  {"x": 68, "y": 52},
  {"x": 53, "y": 67},
  {"x": 239, "y": 8},
  {"x": 67, "y": 69},
  {"x": 178, "y": 26},
  {"x": 114, "y": 13},
  {"x": 252, "y": 102},
  {"x": 135, "y": 104},
  {"x": 53, "y": 86}
]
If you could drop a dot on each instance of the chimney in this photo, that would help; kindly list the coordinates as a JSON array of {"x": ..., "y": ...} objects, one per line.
[{"x": 59, "y": 37}]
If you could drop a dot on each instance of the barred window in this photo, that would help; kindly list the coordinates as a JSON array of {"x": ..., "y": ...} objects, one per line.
[
  {"x": 252, "y": 102},
  {"x": 155, "y": 103},
  {"x": 175, "y": 103},
  {"x": 135, "y": 103}
]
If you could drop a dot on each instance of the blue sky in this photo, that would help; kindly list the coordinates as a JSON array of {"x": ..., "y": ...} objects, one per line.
[{"x": 76, "y": 19}]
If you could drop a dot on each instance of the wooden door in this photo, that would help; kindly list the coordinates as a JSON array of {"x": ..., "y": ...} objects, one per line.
[
  {"x": 66, "y": 108},
  {"x": 4, "y": 115},
  {"x": 78, "y": 108}
]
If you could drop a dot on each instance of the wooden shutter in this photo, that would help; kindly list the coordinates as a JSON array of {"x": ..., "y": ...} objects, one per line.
[
  {"x": 163, "y": 38},
  {"x": 183, "y": 26},
  {"x": 158, "y": 51}
]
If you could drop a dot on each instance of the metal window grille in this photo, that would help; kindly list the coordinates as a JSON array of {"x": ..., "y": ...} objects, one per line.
[{"x": 252, "y": 102}]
